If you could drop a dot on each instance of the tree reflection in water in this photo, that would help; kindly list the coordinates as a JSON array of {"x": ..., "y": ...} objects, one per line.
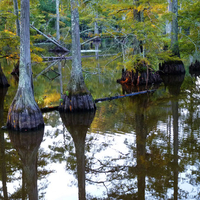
[
  {"x": 152, "y": 166},
  {"x": 78, "y": 124},
  {"x": 27, "y": 145}
]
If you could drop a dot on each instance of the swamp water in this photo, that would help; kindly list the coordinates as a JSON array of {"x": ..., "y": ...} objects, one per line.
[{"x": 144, "y": 147}]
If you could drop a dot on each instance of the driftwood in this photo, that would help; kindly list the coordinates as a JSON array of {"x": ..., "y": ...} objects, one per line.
[{"x": 50, "y": 39}]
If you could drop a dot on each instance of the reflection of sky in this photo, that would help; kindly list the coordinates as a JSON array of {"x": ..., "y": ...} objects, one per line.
[
  {"x": 61, "y": 182},
  {"x": 63, "y": 185}
]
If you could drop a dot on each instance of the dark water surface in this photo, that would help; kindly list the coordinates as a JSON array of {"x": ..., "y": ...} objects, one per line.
[{"x": 141, "y": 147}]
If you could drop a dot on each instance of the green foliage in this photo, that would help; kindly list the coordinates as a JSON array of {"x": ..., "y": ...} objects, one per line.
[
  {"x": 115, "y": 19},
  {"x": 48, "y": 6}
]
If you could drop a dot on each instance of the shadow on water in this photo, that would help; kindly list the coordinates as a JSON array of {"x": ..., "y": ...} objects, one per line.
[
  {"x": 173, "y": 82},
  {"x": 78, "y": 124},
  {"x": 27, "y": 145}
]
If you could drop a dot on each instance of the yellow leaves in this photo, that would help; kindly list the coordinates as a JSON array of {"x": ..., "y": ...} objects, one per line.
[
  {"x": 140, "y": 8},
  {"x": 36, "y": 58},
  {"x": 129, "y": 15},
  {"x": 10, "y": 33},
  {"x": 51, "y": 98}
]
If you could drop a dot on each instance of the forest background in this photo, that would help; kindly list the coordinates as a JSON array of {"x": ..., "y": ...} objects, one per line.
[{"x": 114, "y": 19}]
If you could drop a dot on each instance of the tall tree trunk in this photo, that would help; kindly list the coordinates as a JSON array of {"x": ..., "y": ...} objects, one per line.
[
  {"x": 60, "y": 72},
  {"x": 78, "y": 97},
  {"x": 169, "y": 24},
  {"x": 137, "y": 18},
  {"x": 96, "y": 28},
  {"x": 24, "y": 112},
  {"x": 57, "y": 21},
  {"x": 16, "y": 11},
  {"x": 174, "y": 35}
]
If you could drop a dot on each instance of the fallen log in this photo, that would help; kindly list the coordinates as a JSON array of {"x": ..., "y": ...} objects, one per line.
[
  {"x": 122, "y": 96},
  {"x": 50, "y": 39},
  {"x": 70, "y": 57},
  {"x": 53, "y": 108},
  {"x": 48, "y": 109}
]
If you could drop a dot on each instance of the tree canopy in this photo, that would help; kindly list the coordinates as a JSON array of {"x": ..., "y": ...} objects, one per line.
[{"x": 129, "y": 23}]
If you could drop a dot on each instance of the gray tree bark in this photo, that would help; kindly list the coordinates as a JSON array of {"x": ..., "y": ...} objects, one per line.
[
  {"x": 57, "y": 21},
  {"x": 78, "y": 97},
  {"x": 96, "y": 28},
  {"x": 174, "y": 35},
  {"x": 76, "y": 82},
  {"x": 24, "y": 113},
  {"x": 169, "y": 24},
  {"x": 16, "y": 11}
]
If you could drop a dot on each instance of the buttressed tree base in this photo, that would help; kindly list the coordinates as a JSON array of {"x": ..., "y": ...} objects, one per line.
[{"x": 24, "y": 113}]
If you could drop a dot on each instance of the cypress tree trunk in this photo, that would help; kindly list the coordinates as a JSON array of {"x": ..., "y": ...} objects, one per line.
[
  {"x": 24, "y": 113},
  {"x": 137, "y": 17},
  {"x": 168, "y": 24},
  {"x": 78, "y": 97},
  {"x": 57, "y": 21},
  {"x": 16, "y": 11},
  {"x": 174, "y": 35}
]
